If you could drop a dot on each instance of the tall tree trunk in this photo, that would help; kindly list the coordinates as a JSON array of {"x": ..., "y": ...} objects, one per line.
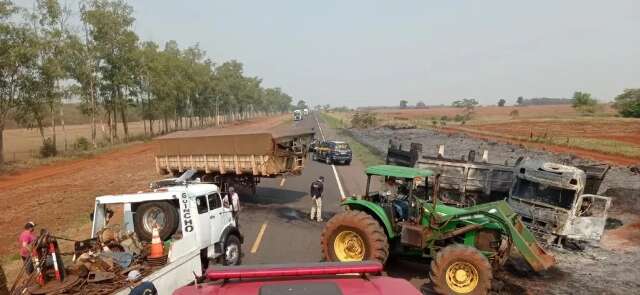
[
  {"x": 53, "y": 124},
  {"x": 93, "y": 118},
  {"x": 151, "y": 127},
  {"x": 2, "y": 144},
  {"x": 109, "y": 123},
  {"x": 114, "y": 119},
  {"x": 64, "y": 131},
  {"x": 166, "y": 124},
  {"x": 123, "y": 114}
]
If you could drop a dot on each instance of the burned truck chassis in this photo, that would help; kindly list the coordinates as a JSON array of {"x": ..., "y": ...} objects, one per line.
[{"x": 557, "y": 202}]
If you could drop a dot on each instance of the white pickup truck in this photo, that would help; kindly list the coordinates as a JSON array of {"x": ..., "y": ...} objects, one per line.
[{"x": 191, "y": 216}]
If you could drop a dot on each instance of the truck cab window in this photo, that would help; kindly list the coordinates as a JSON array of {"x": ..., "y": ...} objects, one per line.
[
  {"x": 201, "y": 204},
  {"x": 214, "y": 201}
]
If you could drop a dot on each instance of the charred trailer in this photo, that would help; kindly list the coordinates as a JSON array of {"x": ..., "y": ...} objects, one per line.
[{"x": 463, "y": 182}]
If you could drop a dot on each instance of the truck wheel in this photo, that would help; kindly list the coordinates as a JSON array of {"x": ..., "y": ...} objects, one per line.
[
  {"x": 354, "y": 236},
  {"x": 314, "y": 157},
  {"x": 459, "y": 269},
  {"x": 232, "y": 251},
  {"x": 149, "y": 214},
  {"x": 328, "y": 160}
]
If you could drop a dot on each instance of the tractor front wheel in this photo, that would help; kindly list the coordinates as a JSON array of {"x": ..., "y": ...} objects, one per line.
[
  {"x": 459, "y": 269},
  {"x": 354, "y": 236}
]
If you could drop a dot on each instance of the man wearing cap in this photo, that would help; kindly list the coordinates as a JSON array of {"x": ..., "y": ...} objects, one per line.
[
  {"x": 27, "y": 237},
  {"x": 317, "y": 187}
]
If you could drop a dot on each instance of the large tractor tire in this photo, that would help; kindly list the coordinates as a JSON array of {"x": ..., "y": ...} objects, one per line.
[
  {"x": 354, "y": 236},
  {"x": 459, "y": 269},
  {"x": 163, "y": 214}
]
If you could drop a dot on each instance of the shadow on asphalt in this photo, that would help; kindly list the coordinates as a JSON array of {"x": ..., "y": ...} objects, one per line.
[
  {"x": 292, "y": 214},
  {"x": 267, "y": 196},
  {"x": 414, "y": 269}
]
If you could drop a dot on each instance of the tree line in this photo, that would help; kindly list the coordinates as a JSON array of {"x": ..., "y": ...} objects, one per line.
[{"x": 102, "y": 63}]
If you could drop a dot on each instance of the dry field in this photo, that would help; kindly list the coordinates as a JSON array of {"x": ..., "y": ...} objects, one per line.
[
  {"x": 602, "y": 136},
  {"x": 22, "y": 144}
]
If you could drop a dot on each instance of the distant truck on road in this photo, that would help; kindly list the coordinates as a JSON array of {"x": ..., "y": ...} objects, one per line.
[
  {"x": 297, "y": 115},
  {"x": 233, "y": 158},
  {"x": 557, "y": 202}
]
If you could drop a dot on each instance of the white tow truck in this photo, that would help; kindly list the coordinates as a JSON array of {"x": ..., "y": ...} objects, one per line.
[{"x": 192, "y": 220}]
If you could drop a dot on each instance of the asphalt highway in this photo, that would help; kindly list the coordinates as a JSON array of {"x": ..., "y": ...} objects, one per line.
[{"x": 275, "y": 222}]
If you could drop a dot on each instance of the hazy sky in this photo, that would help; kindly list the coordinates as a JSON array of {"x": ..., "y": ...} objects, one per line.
[{"x": 378, "y": 52}]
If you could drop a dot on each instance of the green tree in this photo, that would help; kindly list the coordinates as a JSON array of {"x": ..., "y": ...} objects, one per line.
[
  {"x": 16, "y": 59},
  {"x": 301, "y": 104},
  {"x": 501, "y": 102},
  {"x": 628, "y": 103},
  {"x": 467, "y": 103},
  {"x": 421, "y": 105},
  {"x": 583, "y": 102},
  {"x": 115, "y": 44},
  {"x": 404, "y": 104},
  {"x": 520, "y": 100}
]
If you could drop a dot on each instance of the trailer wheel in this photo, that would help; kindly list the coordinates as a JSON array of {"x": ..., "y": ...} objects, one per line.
[
  {"x": 354, "y": 236},
  {"x": 459, "y": 269},
  {"x": 232, "y": 251},
  {"x": 149, "y": 214}
]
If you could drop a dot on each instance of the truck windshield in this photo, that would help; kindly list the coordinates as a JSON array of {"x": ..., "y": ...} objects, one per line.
[
  {"x": 554, "y": 196},
  {"x": 342, "y": 146}
]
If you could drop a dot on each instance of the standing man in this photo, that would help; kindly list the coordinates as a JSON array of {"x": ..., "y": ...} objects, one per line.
[
  {"x": 316, "y": 196},
  {"x": 235, "y": 203},
  {"x": 25, "y": 240}
]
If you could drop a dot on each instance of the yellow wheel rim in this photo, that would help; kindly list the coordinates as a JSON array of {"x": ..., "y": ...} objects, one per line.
[
  {"x": 349, "y": 246},
  {"x": 462, "y": 277}
]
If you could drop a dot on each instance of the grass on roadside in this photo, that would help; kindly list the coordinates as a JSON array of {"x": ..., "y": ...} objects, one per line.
[{"x": 365, "y": 154}]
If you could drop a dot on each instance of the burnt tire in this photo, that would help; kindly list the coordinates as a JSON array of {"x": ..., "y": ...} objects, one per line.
[
  {"x": 232, "y": 254},
  {"x": 365, "y": 238},
  {"x": 459, "y": 269},
  {"x": 164, "y": 213}
]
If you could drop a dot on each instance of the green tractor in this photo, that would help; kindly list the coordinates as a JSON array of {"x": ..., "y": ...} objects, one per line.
[{"x": 464, "y": 244}]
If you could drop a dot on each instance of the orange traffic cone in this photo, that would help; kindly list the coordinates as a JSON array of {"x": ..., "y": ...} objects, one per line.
[{"x": 156, "y": 244}]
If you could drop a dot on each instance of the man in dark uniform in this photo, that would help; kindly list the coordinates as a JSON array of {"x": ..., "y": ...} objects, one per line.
[{"x": 317, "y": 187}]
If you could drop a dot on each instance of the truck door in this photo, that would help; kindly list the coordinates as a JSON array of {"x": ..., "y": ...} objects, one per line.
[
  {"x": 590, "y": 217},
  {"x": 219, "y": 216},
  {"x": 203, "y": 222}
]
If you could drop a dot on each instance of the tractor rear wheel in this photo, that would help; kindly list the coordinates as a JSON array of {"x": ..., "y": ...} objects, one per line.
[
  {"x": 354, "y": 236},
  {"x": 459, "y": 269}
]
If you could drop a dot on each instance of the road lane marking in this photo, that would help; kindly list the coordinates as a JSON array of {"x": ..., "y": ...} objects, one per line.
[
  {"x": 256, "y": 244},
  {"x": 335, "y": 172}
]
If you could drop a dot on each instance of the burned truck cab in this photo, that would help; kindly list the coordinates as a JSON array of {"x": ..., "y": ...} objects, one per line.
[{"x": 552, "y": 201}]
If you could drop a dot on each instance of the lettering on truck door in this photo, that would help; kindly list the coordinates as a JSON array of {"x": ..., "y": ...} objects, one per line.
[{"x": 204, "y": 217}]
